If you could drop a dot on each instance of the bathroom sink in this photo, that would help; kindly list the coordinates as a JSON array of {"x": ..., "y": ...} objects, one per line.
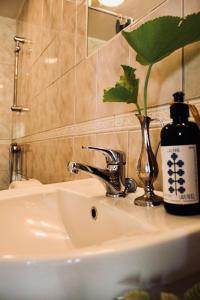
[
  {"x": 92, "y": 221},
  {"x": 67, "y": 241},
  {"x": 51, "y": 221}
]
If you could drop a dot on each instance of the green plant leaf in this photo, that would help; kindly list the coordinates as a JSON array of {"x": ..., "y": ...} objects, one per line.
[
  {"x": 137, "y": 295},
  {"x": 158, "y": 38},
  {"x": 193, "y": 293},
  {"x": 166, "y": 296},
  {"x": 125, "y": 90}
]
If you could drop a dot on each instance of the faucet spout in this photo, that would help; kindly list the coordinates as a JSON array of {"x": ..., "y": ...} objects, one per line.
[{"x": 110, "y": 180}]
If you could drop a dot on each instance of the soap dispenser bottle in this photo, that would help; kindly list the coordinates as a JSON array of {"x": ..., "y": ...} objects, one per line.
[{"x": 180, "y": 152}]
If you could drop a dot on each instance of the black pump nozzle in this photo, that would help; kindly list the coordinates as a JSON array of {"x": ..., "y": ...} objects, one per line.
[
  {"x": 179, "y": 97},
  {"x": 179, "y": 108}
]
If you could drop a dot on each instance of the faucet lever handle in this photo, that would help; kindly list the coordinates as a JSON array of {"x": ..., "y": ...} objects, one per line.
[{"x": 112, "y": 156}]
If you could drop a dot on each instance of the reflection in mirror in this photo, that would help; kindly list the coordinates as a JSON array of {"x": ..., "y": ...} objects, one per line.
[
  {"x": 103, "y": 23},
  {"x": 105, "y": 15}
]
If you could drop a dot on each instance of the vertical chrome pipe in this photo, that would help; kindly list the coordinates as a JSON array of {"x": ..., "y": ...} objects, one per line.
[
  {"x": 15, "y": 106},
  {"x": 17, "y": 49}
]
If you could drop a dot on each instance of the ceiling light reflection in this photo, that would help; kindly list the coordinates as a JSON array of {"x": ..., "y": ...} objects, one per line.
[
  {"x": 51, "y": 60},
  {"x": 30, "y": 221},
  {"x": 45, "y": 225},
  {"x": 40, "y": 233},
  {"x": 8, "y": 256},
  {"x": 111, "y": 3},
  {"x": 56, "y": 236},
  {"x": 73, "y": 261}
]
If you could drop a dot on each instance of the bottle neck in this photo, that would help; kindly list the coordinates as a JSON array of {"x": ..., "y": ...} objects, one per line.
[{"x": 180, "y": 119}]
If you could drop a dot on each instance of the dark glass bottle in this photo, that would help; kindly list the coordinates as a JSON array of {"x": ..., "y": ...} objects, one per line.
[{"x": 180, "y": 151}]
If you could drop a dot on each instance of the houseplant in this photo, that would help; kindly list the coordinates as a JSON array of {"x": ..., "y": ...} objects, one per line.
[
  {"x": 192, "y": 293},
  {"x": 152, "y": 41}
]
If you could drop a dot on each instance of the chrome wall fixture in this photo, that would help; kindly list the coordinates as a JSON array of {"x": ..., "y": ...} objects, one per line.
[
  {"x": 108, "y": 12},
  {"x": 16, "y": 107},
  {"x": 15, "y": 162},
  {"x": 121, "y": 21}
]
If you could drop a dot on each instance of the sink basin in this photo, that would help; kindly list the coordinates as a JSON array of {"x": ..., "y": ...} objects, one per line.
[
  {"x": 92, "y": 221},
  {"x": 67, "y": 241}
]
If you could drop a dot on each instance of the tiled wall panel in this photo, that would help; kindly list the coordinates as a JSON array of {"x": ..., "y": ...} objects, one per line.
[
  {"x": 192, "y": 58},
  {"x": 166, "y": 75},
  {"x": 7, "y": 33},
  {"x": 64, "y": 88}
]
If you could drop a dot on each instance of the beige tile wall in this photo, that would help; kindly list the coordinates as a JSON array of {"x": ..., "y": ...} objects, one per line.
[
  {"x": 166, "y": 76},
  {"x": 64, "y": 88},
  {"x": 192, "y": 58},
  {"x": 7, "y": 32}
]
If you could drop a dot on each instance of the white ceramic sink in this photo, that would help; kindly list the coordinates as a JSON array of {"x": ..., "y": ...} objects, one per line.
[
  {"x": 68, "y": 241},
  {"x": 91, "y": 221}
]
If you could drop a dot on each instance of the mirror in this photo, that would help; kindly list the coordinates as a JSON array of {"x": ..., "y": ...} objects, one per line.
[{"x": 104, "y": 21}]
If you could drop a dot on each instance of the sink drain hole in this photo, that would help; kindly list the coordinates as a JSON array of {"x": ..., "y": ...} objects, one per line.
[{"x": 94, "y": 213}]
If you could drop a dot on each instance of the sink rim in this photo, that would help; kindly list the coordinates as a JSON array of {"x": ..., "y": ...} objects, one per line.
[{"x": 118, "y": 244}]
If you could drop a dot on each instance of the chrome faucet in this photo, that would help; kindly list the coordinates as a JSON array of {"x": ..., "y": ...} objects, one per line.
[{"x": 113, "y": 176}]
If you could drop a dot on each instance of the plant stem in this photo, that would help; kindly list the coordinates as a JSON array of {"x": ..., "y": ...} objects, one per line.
[
  {"x": 138, "y": 108},
  {"x": 145, "y": 89}
]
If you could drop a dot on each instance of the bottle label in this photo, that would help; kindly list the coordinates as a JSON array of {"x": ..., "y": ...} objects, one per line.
[{"x": 180, "y": 174}]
